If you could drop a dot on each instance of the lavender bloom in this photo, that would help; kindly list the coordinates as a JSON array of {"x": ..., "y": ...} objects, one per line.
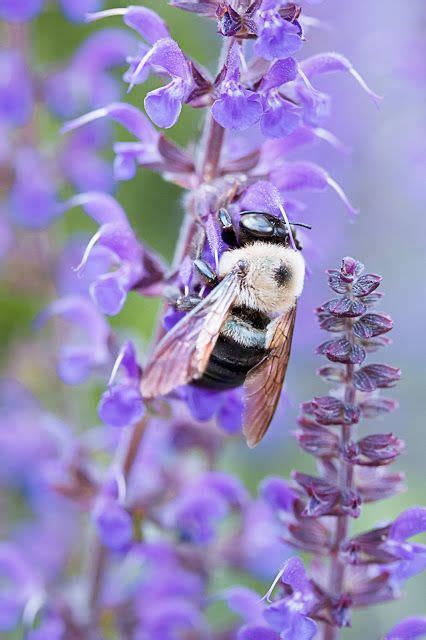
[
  {"x": 113, "y": 523},
  {"x": 33, "y": 195},
  {"x": 225, "y": 406},
  {"x": 77, "y": 359},
  {"x": 286, "y": 618},
  {"x": 135, "y": 267},
  {"x": 409, "y": 629},
  {"x": 163, "y": 105},
  {"x": 23, "y": 10},
  {"x": 236, "y": 108},
  {"x": 16, "y": 99},
  {"x": 122, "y": 403},
  {"x": 19, "y": 584},
  {"x": 20, "y": 10},
  {"x": 85, "y": 82},
  {"x": 278, "y": 37},
  {"x": 78, "y": 9}
]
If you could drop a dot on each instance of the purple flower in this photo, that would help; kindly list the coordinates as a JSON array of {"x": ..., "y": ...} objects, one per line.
[
  {"x": 16, "y": 89},
  {"x": 307, "y": 175},
  {"x": 122, "y": 403},
  {"x": 128, "y": 154},
  {"x": 89, "y": 349},
  {"x": 18, "y": 584},
  {"x": 52, "y": 627},
  {"x": 258, "y": 546},
  {"x": 85, "y": 83},
  {"x": 225, "y": 406},
  {"x": 164, "y": 105},
  {"x": 77, "y": 9},
  {"x": 20, "y": 10},
  {"x": 286, "y": 618},
  {"x": 198, "y": 510},
  {"x": 280, "y": 117},
  {"x": 409, "y": 629},
  {"x": 277, "y": 37},
  {"x": 412, "y": 556},
  {"x": 236, "y": 108},
  {"x": 114, "y": 524},
  {"x": 32, "y": 197},
  {"x": 82, "y": 164},
  {"x": 136, "y": 267},
  {"x": 145, "y": 21}
]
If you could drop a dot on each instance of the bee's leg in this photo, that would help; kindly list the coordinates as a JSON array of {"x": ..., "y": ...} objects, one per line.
[
  {"x": 186, "y": 303},
  {"x": 228, "y": 232},
  {"x": 206, "y": 272}
]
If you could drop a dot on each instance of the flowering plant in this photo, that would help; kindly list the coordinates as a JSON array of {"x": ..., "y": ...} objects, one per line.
[{"x": 130, "y": 527}]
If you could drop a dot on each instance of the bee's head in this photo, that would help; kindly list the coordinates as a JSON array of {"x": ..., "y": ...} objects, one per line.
[{"x": 266, "y": 227}]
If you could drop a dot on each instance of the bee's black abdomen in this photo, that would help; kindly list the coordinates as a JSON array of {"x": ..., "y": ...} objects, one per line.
[{"x": 229, "y": 364}]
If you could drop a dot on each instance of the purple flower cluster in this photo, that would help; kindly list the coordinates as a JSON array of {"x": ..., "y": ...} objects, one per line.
[
  {"x": 350, "y": 571},
  {"x": 24, "y": 10},
  {"x": 129, "y": 526},
  {"x": 31, "y": 176},
  {"x": 260, "y": 106},
  {"x": 164, "y": 533}
]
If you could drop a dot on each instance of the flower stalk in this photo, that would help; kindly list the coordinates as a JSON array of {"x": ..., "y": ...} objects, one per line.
[{"x": 317, "y": 510}]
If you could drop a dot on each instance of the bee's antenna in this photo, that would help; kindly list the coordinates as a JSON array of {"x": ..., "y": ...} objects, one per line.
[{"x": 301, "y": 224}]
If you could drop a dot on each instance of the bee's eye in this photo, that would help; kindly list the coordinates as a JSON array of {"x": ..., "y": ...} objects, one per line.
[
  {"x": 257, "y": 224},
  {"x": 282, "y": 275}
]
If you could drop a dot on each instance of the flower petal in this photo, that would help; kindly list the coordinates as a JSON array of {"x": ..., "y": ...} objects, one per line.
[
  {"x": 163, "y": 105},
  {"x": 237, "y": 108}
]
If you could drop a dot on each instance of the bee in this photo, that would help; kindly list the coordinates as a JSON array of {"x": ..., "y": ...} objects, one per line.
[{"x": 241, "y": 332}]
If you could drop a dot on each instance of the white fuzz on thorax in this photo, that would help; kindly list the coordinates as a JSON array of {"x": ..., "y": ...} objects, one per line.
[{"x": 262, "y": 288}]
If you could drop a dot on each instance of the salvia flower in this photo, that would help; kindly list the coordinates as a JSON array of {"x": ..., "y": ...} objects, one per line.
[
  {"x": 88, "y": 345},
  {"x": 409, "y": 629},
  {"x": 284, "y": 617},
  {"x": 166, "y": 525},
  {"x": 122, "y": 404},
  {"x": 314, "y": 510},
  {"x": 24, "y": 10},
  {"x": 134, "y": 266}
]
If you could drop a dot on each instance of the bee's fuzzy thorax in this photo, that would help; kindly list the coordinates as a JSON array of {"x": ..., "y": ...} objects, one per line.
[{"x": 274, "y": 278}]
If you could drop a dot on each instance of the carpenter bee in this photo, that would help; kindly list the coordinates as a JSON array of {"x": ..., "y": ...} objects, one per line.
[{"x": 241, "y": 332}]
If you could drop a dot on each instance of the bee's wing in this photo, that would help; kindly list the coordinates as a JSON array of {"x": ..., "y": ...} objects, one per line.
[
  {"x": 182, "y": 355},
  {"x": 264, "y": 382}
]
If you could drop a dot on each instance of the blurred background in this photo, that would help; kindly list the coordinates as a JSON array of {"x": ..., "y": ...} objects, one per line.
[{"x": 384, "y": 176}]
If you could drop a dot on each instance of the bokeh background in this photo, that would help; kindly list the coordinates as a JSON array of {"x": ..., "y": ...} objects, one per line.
[{"x": 384, "y": 176}]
